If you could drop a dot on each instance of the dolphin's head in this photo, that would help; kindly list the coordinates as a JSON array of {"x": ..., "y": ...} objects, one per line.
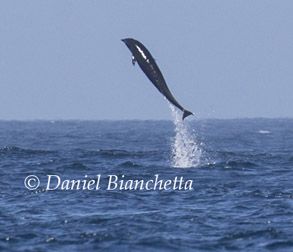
[{"x": 129, "y": 42}]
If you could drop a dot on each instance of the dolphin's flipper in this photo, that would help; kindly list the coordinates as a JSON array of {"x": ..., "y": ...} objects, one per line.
[
  {"x": 133, "y": 60},
  {"x": 186, "y": 113}
]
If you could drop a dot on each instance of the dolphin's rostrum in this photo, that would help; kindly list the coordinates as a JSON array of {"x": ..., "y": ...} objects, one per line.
[{"x": 148, "y": 65}]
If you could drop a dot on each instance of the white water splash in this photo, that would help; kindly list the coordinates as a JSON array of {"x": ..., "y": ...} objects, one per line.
[{"x": 185, "y": 151}]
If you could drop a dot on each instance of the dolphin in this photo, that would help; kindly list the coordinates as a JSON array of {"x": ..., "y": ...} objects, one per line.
[{"x": 145, "y": 60}]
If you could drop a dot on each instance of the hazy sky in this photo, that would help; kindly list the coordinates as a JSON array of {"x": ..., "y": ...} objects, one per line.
[{"x": 221, "y": 59}]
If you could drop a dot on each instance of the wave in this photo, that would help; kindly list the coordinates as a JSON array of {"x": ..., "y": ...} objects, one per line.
[
  {"x": 239, "y": 164},
  {"x": 73, "y": 166},
  {"x": 129, "y": 164},
  {"x": 120, "y": 153},
  {"x": 279, "y": 244},
  {"x": 264, "y": 132},
  {"x": 15, "y": 149},
  {"x": 113, "y": 153},
  {"x": 246, "y": 234}
]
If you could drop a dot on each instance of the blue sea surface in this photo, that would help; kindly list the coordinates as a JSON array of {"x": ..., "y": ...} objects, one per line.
[{"x": 242, "y": 197}]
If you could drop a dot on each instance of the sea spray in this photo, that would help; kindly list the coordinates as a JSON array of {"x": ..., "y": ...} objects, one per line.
[{"x": 185, "y": 151}]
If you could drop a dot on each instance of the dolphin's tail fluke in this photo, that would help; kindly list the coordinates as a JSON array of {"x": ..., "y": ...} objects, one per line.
[{"x": 186, "y": 113}]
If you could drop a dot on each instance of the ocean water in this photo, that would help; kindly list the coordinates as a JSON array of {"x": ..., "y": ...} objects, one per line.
[{"x": 241, "y": 197}]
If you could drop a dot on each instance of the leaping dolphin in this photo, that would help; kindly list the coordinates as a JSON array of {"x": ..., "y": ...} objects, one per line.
[{"x": 145, "y": 60}]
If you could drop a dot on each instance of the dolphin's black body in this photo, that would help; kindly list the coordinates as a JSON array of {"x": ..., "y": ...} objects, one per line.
[{"x": 151, "y": 70}]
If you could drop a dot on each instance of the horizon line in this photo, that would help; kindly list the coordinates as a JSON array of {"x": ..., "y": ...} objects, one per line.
[{"x": 194, "y": 119}]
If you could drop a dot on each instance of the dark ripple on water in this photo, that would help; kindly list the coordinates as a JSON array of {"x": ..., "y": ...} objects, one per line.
[{"x": 242, "y": 197}]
